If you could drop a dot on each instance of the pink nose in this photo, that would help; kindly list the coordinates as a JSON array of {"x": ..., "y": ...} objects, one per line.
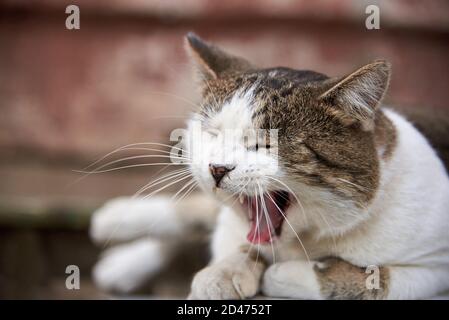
[{"x": 218, "y": 171}]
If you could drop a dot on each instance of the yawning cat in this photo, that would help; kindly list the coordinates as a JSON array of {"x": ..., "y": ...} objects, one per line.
[{"x": 348, "y": 201}]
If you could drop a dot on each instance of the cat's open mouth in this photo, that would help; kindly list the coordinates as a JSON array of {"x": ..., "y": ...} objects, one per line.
[{"x": 266, "y": 215}]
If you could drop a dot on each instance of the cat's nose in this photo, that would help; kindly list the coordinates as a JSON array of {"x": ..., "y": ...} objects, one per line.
[{"x": 218, "y": 171}]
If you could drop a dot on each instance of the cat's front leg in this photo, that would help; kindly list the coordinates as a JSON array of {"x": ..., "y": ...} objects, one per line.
[
  {"x": 234, "y": 277},
  {"x": 330, "y": 278}
]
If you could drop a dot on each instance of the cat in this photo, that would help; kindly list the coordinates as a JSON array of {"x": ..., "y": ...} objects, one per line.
[{"x": 350, "y": 201}]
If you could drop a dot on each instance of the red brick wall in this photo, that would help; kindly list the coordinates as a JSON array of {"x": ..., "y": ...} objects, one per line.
[{"x": 69, "y": 96}]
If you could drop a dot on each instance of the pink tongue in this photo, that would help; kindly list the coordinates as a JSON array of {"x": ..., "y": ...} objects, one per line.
[{"x": 262, "y": 231}]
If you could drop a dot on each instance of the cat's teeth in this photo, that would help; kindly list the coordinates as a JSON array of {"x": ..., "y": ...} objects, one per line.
[{"x": 241, "y": 199}]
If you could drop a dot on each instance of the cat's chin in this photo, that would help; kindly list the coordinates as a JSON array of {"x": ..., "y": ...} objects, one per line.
[{"x": 266, "y": 215}]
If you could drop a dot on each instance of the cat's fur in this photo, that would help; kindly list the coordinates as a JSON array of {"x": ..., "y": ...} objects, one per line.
[{"x": 372, "y": 191}]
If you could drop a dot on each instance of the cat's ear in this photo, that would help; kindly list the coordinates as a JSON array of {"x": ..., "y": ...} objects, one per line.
[
  {"x": 211, "y": 61},
  {"x": 356, "y": 96}
]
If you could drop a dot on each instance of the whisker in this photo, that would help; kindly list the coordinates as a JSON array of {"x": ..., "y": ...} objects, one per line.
[
  {"x": 186, "y": 185},
  {"x": 139, "y": 157},
  {"x": 169, "y": 94},
  {"x": 167, "y": 185},
  {"x": 147, "y": 149},
  {"x": 88, "y": 173},
  {"x": 291, "y": 227},
  {"x": 152, "y": 224},
  {"x": 123, "y": 217},
  {"x": 330, "y": 228},
  {"x": 161, "y": 180},
  {"x": 257, "y": 227},
  {"x": 131, "y": 145},
  {"x": 294, "y": 195},
  {"x": 186, "y": 194},
  {"x": 354, "y": 184},
  {"x": 303, "y": 211},
  {"x": 235, "y": 193},
  {"x": 257, "y": 230},
  {"x": 269, "y": 224},
  {"x": 132, "y": 158},
  {"x": 132, "y": 166}
]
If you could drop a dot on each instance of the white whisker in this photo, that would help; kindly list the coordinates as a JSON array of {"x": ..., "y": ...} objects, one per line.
[
  {"x": 167, "y": 185},
  {"x": 139, "y": 157},
  {"x": 131, "y": 145},
  {"x": 291, "y": 227},
  {"x": 169, "y": 94},
  {"x": 132, "y": 166},
  {"x": 186, "y": 194},
  {"x": 303, "y": 211},
  {"x": 269, "y": 224},
  {"x": 293, "y": 194},
  {"x": 354, "y": 184},
  {"x": 257, "y": 229},
  {"x": 161, "y": 180},
  {"x": 186, "y": 185}
]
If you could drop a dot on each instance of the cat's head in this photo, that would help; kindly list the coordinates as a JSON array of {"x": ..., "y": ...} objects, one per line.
[{"x": 319, "y": 135}]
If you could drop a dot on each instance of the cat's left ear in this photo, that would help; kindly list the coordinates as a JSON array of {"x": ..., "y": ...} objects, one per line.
[
  {"x": 356, "y": 96},
  {"x": 211, "y": 61}
]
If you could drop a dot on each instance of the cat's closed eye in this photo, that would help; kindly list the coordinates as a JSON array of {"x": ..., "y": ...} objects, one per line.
[{"x": 257, "y": 146}]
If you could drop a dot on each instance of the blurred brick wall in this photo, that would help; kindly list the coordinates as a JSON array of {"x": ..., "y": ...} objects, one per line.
[{"x": 68, "y": 96}]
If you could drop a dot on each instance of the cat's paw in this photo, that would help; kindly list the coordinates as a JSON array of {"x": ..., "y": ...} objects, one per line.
[
  {"x": 124, "y": 219},
  {"x": 124, "y": 268},
  {"x": 291, "y": 279},
  {"x": 224, "y": 283}
]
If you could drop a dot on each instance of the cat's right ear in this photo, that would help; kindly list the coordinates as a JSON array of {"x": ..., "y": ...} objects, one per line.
[{"x": 211, "y": 61}]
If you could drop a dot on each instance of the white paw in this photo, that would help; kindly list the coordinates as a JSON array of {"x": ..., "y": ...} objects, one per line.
[
  {"x": 126, "y": 267},
  {"x": 124, "y": 219},
  {"x": 291, "y": 279},
  {"x": 224, "y": 283}
]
